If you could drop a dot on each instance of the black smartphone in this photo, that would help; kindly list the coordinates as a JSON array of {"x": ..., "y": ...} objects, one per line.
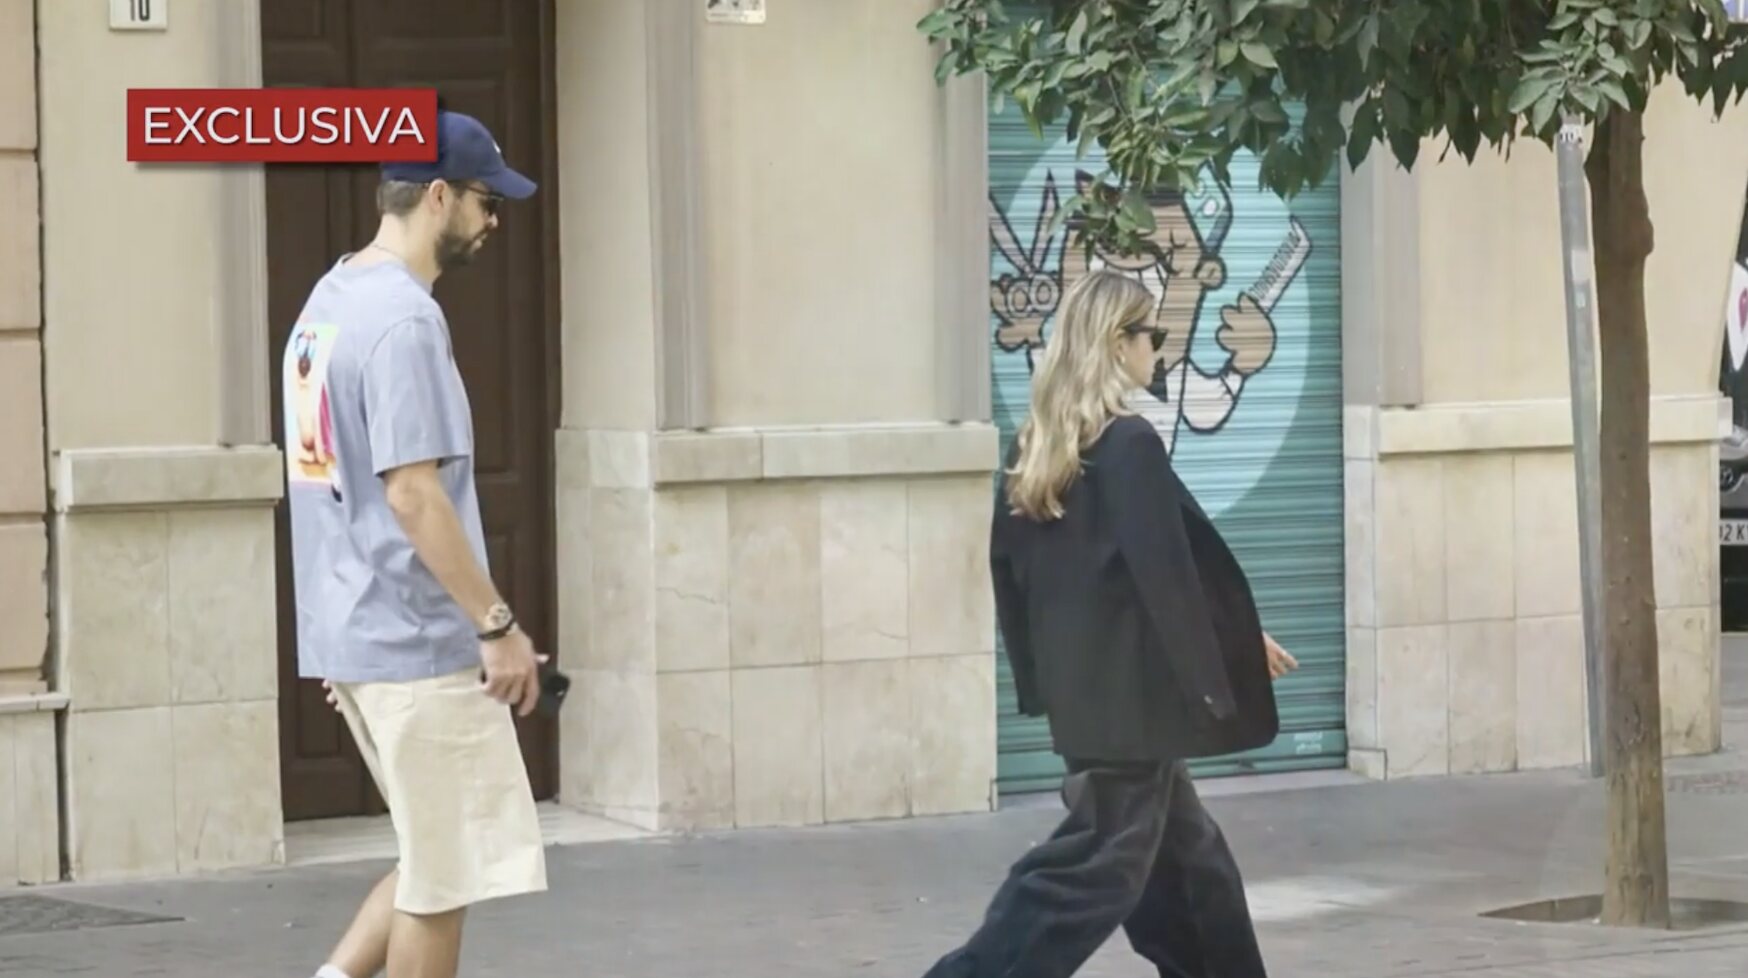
[{"x": 554, "y": 686}]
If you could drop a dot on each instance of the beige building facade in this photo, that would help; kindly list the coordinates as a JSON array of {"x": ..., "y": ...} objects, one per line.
[
  {"x": 732, "y": 382},
  {"x": 1465, "y": 649}
]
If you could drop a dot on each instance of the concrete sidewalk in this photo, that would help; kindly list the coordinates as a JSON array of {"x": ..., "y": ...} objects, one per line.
[{"x": 1349, "y": 879}]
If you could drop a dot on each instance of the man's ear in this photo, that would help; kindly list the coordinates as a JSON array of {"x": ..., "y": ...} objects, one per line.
[
  {"x": 1211, "y": 273},
  {"x": 437, "y": 195}
]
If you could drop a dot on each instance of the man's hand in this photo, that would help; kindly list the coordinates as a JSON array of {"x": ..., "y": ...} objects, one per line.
[
  {"x": 1280, "y": 662},
  {"x": 512, "y": 671},
  {"x": 333, "y": 697}
]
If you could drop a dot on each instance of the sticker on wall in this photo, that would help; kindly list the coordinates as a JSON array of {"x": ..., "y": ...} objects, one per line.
[{"x": 734, "y": 11}]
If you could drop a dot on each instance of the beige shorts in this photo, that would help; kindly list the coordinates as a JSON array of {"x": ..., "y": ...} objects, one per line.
[{"x": 446, "y": 759}]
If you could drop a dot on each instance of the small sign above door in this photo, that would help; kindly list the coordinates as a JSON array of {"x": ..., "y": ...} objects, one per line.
[
  {"x": 734, "y": 11},
  {"x": 139, "y": 15}
]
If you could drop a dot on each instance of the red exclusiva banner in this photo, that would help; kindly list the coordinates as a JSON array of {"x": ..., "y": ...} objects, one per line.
[{"x": 281, "y": 125}]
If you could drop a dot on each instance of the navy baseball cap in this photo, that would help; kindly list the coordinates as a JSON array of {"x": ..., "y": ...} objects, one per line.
[{"x": 465, "y": 151}]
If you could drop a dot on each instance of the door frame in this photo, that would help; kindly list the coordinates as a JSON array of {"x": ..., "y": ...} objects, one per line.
[
  {"x": 552, "y": 308},
  {"x": 547, "y": 201}
]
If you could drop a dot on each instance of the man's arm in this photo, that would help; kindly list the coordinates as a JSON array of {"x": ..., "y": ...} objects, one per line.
[
  {"x": 424, "y": 512},
  {"x": 426, "y": 516},
  {"x": 418, "y": 420}
]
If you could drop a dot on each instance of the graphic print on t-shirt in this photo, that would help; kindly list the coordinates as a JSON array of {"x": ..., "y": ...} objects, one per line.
[{"x": 309, "y": 430}]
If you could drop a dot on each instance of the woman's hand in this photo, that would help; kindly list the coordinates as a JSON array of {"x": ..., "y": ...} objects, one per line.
[{"x": 1280, "y": 662}]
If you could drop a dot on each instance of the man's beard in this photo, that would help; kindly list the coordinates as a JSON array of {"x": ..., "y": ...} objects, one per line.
[{"x": 455, "y": 250}]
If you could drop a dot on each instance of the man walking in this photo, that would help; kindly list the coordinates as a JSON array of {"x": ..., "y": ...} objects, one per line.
[{"x": 396, "y": 611}]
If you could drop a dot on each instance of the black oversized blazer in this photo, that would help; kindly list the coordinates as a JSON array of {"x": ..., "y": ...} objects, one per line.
[{"x": 1128, "y": 621}]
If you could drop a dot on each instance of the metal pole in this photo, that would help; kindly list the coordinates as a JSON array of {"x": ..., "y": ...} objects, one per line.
[{"x": 1581, "y": 360}]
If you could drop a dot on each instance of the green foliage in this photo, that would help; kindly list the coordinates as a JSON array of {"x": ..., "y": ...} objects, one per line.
[{"x": 1167, "y": 88}]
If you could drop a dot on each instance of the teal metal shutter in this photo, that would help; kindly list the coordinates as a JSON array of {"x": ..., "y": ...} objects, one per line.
[{"x": 1256, "y": 436}]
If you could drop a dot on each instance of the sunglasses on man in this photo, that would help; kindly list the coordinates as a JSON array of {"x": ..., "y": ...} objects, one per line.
[{"x": 488, "y": 200}]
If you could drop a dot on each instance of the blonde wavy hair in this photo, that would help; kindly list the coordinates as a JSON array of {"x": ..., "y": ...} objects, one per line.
[{"x": 1079, "y": 389}]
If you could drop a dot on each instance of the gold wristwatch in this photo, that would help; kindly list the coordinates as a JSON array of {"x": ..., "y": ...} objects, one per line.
[{"x": 500, "y": 621}]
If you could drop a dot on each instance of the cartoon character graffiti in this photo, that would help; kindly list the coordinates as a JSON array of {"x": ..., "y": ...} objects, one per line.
[
  {"x": 1186, "y": 266},
  {"x": 1023, "y": 299}
]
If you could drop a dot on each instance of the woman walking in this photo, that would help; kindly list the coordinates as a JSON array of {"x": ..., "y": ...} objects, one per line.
[{"x": 1130, "y": 625}]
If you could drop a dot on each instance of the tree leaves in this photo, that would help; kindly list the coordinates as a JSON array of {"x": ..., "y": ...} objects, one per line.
[
  {"x": 1268, "y": 111},
  {"x": 1540, "y": 115},
  {"x": 1405, "y": 20},
  {"x": 1637, "y": 33},
  {"x": 1397, "y": 113},
  {"x": 1137, "y": 214},
  {"x": 1615, "y": 91},
  {"x": 1405, "y": 144},
  {"x": 1465, "y": 133},
  {"x": 1367, "y": 40},
  {"x": 1532, "y": 88},
  {"x": 1367, "y": 125},
  {"x": 939, "y": 22},
  {"x": 1258, "y": 54},
  {"x": 1076, "y": 36},
  {"x": 1171, "y": 90}
]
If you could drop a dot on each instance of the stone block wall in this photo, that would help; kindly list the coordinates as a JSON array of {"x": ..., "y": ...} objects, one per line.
[
  {"x": 23, "y": 530},
  {"x": 166, "y": 643},
  {"x": 30, "y": 824},
  {"x": 1466, "y": 641},
  {"x": 755, "y": 649},
  {"x": 30, "y": 844}
]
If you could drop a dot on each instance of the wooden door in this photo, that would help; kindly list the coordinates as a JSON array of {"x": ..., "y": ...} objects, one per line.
[{"x": 490, "y": 59}]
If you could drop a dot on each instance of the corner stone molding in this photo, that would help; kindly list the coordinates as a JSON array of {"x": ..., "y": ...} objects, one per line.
[
  {"x": 609, "y": 459},
  {"x": 162, "y": 478},
  {"x": 165, "y": 649}
]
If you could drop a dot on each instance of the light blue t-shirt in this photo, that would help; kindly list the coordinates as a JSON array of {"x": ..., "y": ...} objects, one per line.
[{"x": 370, "y": 383}]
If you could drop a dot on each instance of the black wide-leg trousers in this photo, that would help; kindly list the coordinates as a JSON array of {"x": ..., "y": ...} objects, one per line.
[{"x": 1137, "y": 850}]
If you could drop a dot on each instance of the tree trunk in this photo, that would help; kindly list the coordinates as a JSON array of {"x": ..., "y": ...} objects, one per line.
[{"x": 1636, "y": 887}]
